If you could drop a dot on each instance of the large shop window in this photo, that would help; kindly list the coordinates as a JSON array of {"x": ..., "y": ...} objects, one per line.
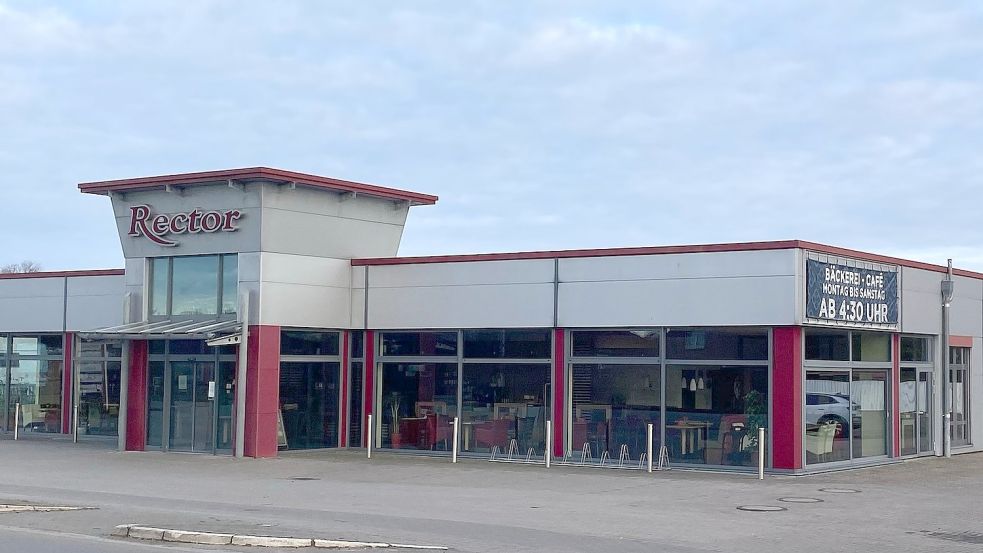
[
  {"x": 310, "y": 388},
  {"x": 355, "y": 389},
  {"x": 915, "y": 394},
  {"x": 98, "y": 365},
  {"x": 31, "y": 369},
  {"x": 846, "y": 404},
  {"x": 959, "y": 362},
  {"x": 418, "y": 402},
  {"x": 198, "y": 285}
]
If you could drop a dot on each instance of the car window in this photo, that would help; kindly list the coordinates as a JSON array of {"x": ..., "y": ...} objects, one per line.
[{"x": 812, "y": 399}]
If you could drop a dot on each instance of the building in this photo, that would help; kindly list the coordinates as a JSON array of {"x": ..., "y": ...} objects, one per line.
[{"x": 288, "y": 283}]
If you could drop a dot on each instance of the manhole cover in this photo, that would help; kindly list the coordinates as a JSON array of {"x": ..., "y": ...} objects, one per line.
[
  {"x": 839, "y": 490},
  {"x": 761, "y": 508},
  {"x": 800, "y": 500},
  {"x": 303, "y": 478}
]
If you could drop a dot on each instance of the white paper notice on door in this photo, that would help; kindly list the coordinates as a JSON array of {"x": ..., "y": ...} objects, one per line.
[
  {"x": 182, "y": 382},
  {"x": 211, "y": 389}
]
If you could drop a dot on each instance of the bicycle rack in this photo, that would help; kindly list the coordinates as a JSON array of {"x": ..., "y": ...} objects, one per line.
[{"x": 623, "y": 456}]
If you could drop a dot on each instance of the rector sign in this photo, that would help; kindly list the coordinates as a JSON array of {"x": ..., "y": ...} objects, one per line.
[
  {"x": 163, "y": 228},
  {"x": 837, "y": 292}
]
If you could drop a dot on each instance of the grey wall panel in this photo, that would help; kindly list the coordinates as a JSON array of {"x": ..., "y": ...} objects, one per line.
[
  {"x": 94, "y": 302},
  {"x": 976, "y": 392},
  {"x": 327, "y": 236},
  {"x": 966, "y": 316},
  {"x": 478, "y": 306},
  {"x": 921, "y": 302},
  {"x": 358, "y": 308},
  {"x": 682, "y": 302},
  {"x": 679, "y": 266},
  {"x": 32, "y": 304},
  {"x": 305, "y": 306},
  {"x": 461, "y": 274}
]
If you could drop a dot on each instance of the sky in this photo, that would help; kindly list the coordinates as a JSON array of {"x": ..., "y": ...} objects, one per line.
[{"x": 540, "y": 124}]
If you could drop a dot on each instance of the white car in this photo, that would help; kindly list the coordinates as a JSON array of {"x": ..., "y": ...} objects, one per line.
[{"x": 822, "y": 408}]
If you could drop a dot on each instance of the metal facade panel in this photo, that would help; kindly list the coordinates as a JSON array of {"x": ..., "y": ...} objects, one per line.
[
  {"x": 679, "y": 266},
  {"x": 94, "y": 302},
  {"x": 312, "y": 234},
  {"x": 32, "y": 305},
  {"x": 462, "y": 274},
  {"x": 966, "y": 316},
  {"x": 761, "y": 300},
  {"x": 476, "y": 306},
  {"x": 921, "y": 301},
  {"x": 299, "y": 305}
]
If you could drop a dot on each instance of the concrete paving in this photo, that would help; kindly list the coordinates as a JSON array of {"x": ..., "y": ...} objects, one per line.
[{"x": 925, "y": 504}]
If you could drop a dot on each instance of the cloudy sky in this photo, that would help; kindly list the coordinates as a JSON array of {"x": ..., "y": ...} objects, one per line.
[{"x": 540, "y": 124}]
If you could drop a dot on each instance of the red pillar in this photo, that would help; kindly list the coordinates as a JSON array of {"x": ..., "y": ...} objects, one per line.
[
  {"x": 787, "y": 398},
  {"x": 67, "y": 381},
  {"x": 368, "y": 392},
  {"x": 262, "y": 391},
  {"x": 343, "y": 400},
  {"x": 136, "y": 400},
  {"x": 559, "y": 389},
  {"x": 896, "y": 393}
]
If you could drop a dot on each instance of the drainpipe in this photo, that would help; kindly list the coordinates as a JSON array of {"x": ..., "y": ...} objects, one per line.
[
  {"x": 947, "y": 289},
  {"x": 240, "y": 418},
  {"x": 124, "y": 379}
]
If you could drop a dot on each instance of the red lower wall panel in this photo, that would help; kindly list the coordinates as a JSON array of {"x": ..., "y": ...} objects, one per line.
[
  {"x": 559, "y": 389},
  {"x": 787, "y": 398},
  {"x": 136, "y": 402},
  {"x": 262, "y": 391}
]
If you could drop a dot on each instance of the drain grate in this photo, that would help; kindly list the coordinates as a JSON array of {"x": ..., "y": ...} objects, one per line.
[
  {"x": 303, "y": 478},
  {"x": 800, "y": 500},
  {"x": 839, "y": 490},
  {"x": 761, "y": 508},
  {"x": 975, "y": 538}
]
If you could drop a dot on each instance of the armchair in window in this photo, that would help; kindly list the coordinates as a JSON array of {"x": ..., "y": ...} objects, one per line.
[{"x": 819, "y": 441}]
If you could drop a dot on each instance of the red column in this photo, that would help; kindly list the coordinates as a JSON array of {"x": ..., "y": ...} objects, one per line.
[
  {"x": 67, "y": 380},
  {"x": 896, "y": 392},
  {"x": 136, "y": 400},
  {"x": 368, "y": 392},
  {"x": 787, "y": 397},
  {"x": 559, "y": 389},
  {"x": 262, "y": 391},
  {"x": 345, "y": 372}
]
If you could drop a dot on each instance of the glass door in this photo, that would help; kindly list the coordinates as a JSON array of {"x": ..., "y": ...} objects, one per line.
[
  {"x": 924, "y": 419},
  {"x": 870, "y": 404},
  {"x": 192, "y": 406}
]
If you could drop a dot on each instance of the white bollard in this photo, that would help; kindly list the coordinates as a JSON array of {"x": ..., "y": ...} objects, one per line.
[
  {"x": 549, "y": 443},
  {"x": 761, "y": 453},
  {"x": 16, "y": 419},
  {"x": 947, "y": 434},
  {"x": 457, "y": 427},
  {"x": 648, "y": 445},
  {"x": 368, "y": 440}
]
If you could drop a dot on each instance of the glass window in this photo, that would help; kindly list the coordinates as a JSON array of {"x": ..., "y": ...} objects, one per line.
[
  {"x": 916, "y": 349},
  {"x": 101, "y": 348},
  {"x": 355, "y": 403},
  {"x": 717, "y": 344},
  {"x": 504, "y": 405},
  {"x": 419, "y": 343},
  {"x": 309, "y": 404},
  {"x": 612, "y": 406},
  {"x": 419, "y": 400},
  {"x": 230, "y": 284},
  {"x": 959, "y": 397},
  {"x": 194, "y": 285},
  {"x": 827, "y": 345},
  {"x": 160, "y": 280},
  {"x": 615, "y": 343},
  {"x": 870, "y": 427},
  {"x": 155, "y": 403},
  {"x": 3, "y": 344},
  {"x": 828, "y": 416},
  {"x": 300, "y": 342},
  {"x": 713, "y": 413},
  {"x": 38, "y": 345},
  {"x": 871, "y": 346},
  {"x": 36, "y": 385},
  {"x": 358, "y": 344},
  {"x": 188, "y": 347},
  {"x": 156, "y": 347},
  {"x": 508, "y": 344},
  {"x": 99, "y": 386}
]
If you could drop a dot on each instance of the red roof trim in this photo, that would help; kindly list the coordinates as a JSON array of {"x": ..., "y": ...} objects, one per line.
[
  {"x": 60, "y": 274},
  {"x": 187, "y": 179},
  {"x": 661, "y": 250}
]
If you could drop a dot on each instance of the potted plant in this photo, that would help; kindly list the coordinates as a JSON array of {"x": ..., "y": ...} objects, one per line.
[
  {"x": 756, "y": 415},
  {"x": 395, "y": 438}
]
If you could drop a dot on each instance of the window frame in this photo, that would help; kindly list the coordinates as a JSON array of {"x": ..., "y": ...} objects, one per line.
[{"x": 150, "y": 286}]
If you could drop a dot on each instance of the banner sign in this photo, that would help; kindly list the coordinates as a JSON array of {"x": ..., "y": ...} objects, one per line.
[
  {"x": 160, "y": 228},
  {"x": 850, "y": 294}
]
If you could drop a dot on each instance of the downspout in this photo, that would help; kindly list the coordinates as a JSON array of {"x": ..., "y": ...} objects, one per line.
[{"x": 947, "y": 289}]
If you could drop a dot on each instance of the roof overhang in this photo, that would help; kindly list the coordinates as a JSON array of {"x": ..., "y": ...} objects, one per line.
[
  {"x": 167, "y": 329},
  {"x": 255, "y": 174}
]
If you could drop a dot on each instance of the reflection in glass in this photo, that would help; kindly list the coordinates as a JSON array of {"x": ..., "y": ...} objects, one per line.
[
  {"x": 38, "y": 345},
  {"x": 717, "y": 343},
  {"x": 615, "y": 343},
  {"x": 225, "y": 397},
  {"x": 299, "y": 342},
  {"x": 36, "y": 385},
  {"x": 3, "y": 389},
  {"x": 309, "y": 404},
  {"x": 959, "y": 397},
  {"x": 713, "y": 413},
  {"x": 419, "y": 343},
  {"x": 160, "y": 270},
  {"x": 504, "y": 402},
  {"x": 869, "y": 398},
  {"x": 355, "y": 410},
  {"x": 98, "y": 391},
  {"x": 418, "y": 402},
  {"x": 230, "y": 284},
  {"x": 155, "y": 403},
  {"x": 925, "y": 412},
  {"x": 612, "y": 406},
  {"x": 827, "y": 345},
  {"x": 508, "y": 344},
  {"x": 916, "y": 349},
  {"x": 194, "y": 285},
  {"x": 871, "y": 346},
  {"x": 829, "y": 416},
  {"x": 908, "y": 393}
]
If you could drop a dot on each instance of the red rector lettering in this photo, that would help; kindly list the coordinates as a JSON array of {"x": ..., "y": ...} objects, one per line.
[{"x": 158, "y": 227}]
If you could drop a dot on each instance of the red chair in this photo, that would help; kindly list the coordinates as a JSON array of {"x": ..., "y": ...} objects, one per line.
[
  {"x": 439, "y": 429},
  {"x": 493, "y": 433}
]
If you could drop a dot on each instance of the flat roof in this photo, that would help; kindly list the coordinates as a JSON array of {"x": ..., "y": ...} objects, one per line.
[
  {"x": 662, "y": 250},
  {"x": 61, "y": 274},
  {"x": 253, "y": 174}
]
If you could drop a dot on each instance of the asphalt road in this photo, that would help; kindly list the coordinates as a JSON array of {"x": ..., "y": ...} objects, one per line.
[{"x": 475, "y": 506}]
